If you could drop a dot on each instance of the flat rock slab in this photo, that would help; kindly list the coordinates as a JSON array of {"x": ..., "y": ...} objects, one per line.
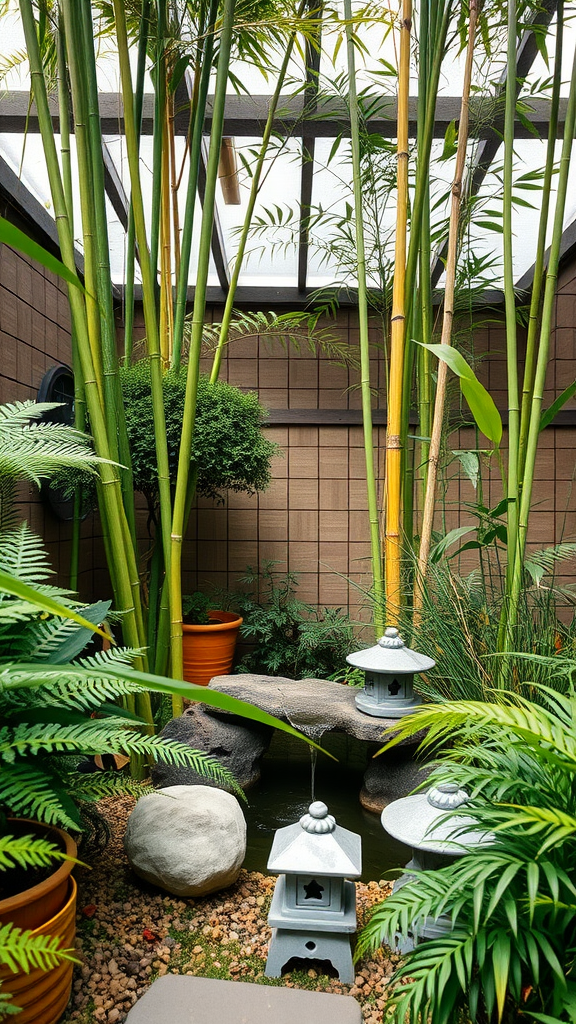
[
  {"x": 178, "y": 999},
  {"x": 312, "y": 705}
]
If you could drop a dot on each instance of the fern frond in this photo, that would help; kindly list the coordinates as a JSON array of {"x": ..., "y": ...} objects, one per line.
[
  {"x": 22, "y": 554},
  {"x": 36, "y": 793},
  {"x": 27, "y": 851},
  {"x": 21, "y": 950},
  {"x": 73, "y": 686},
  {"x": 32, "y": 450}
]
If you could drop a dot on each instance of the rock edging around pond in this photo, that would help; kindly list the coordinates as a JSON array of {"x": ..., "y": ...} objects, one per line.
[{"x": 314, "y": 706}]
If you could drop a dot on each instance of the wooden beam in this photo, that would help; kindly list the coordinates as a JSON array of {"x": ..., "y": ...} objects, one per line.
[{"x": 246, "y": 115}]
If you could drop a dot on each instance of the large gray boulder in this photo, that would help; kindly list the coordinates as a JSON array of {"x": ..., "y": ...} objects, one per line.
[
  {"x": 188, "y": 840},
  {"x": 236, "y": 744}
]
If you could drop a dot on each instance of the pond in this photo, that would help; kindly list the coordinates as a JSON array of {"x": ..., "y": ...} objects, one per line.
[{"x": 284, "y": 793}]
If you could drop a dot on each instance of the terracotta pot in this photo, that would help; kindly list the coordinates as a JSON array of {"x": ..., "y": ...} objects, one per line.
[
  {"x": 43, "y": 995},
  {"x": 34, "y": 906},
  {"x": 48, "y": 908},
  {"x": 209, "y": 650}
]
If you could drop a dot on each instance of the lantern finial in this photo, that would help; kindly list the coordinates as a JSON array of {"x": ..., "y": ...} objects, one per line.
[
  {"x": 318, "y": 821},
  {"x": 391, "y": 638}
]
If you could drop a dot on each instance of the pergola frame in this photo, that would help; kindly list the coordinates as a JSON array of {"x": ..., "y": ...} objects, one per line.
[{"x": 308, "y": 116}]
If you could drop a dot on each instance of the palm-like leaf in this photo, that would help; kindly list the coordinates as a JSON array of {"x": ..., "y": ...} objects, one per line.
[{"x": 511, "y": 902}]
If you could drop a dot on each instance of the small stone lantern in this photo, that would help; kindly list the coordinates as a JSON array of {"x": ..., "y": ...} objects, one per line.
[
  {"x": 313, "y": 910},
  {"x": 389, "y": 669},
  {"x": 433, "y": 826}
]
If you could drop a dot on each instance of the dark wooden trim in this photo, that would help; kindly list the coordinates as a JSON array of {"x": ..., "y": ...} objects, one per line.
[
  {"x": 268, "y": 297},
  {"x": 246, "y": 115},
  {"x": 36, "y": 220},
  {"x": 353, "y": 418}
]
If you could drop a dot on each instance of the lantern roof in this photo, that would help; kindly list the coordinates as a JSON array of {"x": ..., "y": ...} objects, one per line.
[
  {"x": 433, "y": 821},
  {"x": 316, "y": 845},
  {"x": 390, "y": 655}
]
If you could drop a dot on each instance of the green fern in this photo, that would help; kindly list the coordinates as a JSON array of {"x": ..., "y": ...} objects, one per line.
[
  {"x": 21, "y": 950},
  {"x": 32, "y": 450},
  {"x": 27, "y": 851}
]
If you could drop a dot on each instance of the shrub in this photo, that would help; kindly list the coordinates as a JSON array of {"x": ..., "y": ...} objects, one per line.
[{"x": 229, "y": 450}]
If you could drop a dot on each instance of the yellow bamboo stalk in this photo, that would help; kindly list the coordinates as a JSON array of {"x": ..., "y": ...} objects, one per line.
[
  {"x": 447, "y": 319},
  {"x": 393, "y": 510}
]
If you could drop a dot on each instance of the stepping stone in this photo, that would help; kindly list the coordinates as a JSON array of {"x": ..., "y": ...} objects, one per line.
[{"x": 179, "y": 999}]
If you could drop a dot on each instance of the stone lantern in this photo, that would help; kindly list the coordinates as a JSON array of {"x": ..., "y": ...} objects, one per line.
[
  {"x": 313, "y": 910},
  {"x": 389, "y": 669},
  {"x": 433, "y": 825}
]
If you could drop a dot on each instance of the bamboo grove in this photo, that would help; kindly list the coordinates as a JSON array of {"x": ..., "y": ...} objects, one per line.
[{"x": 396, "y": 269}]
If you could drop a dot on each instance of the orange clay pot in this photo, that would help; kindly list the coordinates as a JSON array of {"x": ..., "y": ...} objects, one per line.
[
  {"x": 209, "y": 650},
  {"x": 48, "y": 908}
]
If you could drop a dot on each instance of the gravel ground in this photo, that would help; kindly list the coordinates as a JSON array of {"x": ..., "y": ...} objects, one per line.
[{"x": 129, "y": 934}]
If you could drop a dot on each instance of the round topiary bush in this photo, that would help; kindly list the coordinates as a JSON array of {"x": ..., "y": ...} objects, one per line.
[{"x": 229, "y": 449}]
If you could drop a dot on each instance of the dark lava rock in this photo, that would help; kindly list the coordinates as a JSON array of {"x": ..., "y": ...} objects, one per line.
[{"x": 236, "y": 744}]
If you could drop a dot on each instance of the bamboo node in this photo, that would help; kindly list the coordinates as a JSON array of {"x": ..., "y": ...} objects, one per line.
[{"x": 393, "y": 441}]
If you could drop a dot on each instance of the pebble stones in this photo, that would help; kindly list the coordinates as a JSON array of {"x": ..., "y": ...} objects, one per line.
[{"x": 188, "y": 840}]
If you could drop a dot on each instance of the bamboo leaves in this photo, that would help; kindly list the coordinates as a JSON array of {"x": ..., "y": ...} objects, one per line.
[{"x": 481, "y": 403}]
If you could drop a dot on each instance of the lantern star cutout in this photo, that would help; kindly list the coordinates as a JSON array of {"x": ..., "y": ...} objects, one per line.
[{"x": 313, "y": 890}]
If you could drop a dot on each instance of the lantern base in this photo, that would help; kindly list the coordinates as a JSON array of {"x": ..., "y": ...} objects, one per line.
[
  {"x": 386, "y": 709},
  {"x": 286, "y": 944}
]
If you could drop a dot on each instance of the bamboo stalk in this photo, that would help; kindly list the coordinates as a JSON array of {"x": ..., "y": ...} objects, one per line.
[
  {"x": 254, "y": 189},
  {"x": 131, "y": 240},
  {"x": 113, "y": 404},
  {"x": 152, "y": 339},
  {"x": 392, "y": 536},
  {"x": 448, "y": 318},
  {"x": 159, "y": 182},
  {"x": 510, "y": 297},
  {"x": 538, "y": 282},
  {"x": 166, "y": 309},
  {"x": 194, "y": 164},
  {"x": 196, "y": 343},
  {"x": 366, "y": 391},
  {"x": 543, "y": 351},
  {"x": 109, "y": 482},
  {"x": 79, "y": 399}
]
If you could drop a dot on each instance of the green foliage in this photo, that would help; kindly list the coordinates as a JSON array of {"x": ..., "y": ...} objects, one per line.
[
  {"x": 229, "y": 450},
  {"x": 460, "y": 622},
  {"x": 195, "y": 609},
  {"x": 291, "y": 638},
  {"x": 33, "y": 450},
  {"x": 511, "y": 901}
]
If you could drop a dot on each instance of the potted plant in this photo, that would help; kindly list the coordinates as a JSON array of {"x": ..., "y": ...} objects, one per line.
[{"x": 209, "y": 639}]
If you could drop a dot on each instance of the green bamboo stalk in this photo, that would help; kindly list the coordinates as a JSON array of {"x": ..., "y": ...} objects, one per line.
[
  {"x": 543, "y": 353},
  {"x": 424, "y": 312},
  {"x": 110, "y": 484},
  {"x": 113, "y": 403},
  {"x": 196, "y": 343},
  {"x": 538, "y": 281},
  {"x": 158, "y": 180},
  {"x": 366, "y": 391},
  {"x": 131, "y": 238},
  {"x": 79, "y": 400},
  {"x": 509, "y": 296},
  {"x": 254, "y": 189},
  {"x": 79, "y": 101},
  {"x": 152, "y": 339},
  {"x": 205, "y": 56}
]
